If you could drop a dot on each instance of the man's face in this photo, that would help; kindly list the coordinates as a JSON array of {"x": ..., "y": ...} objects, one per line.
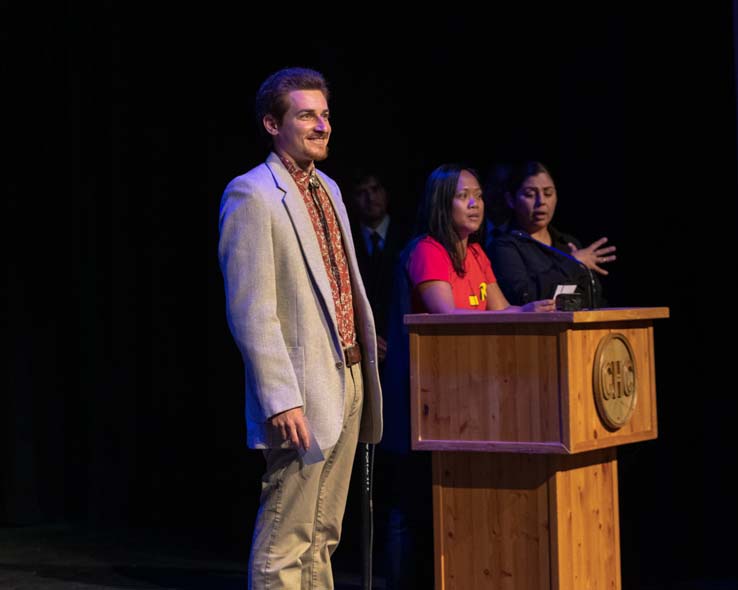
[
  {"x": 304, "y": 131},
  {"x": 370, "y": 199}
]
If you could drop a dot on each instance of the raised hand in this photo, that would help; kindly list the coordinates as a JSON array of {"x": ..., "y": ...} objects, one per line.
[{"x": 594, "y": 254}]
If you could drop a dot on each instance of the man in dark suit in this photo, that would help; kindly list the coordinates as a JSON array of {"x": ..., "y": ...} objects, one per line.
[{"x": 378, "y": 240}]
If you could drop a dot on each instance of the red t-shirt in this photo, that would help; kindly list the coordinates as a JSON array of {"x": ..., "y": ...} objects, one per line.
[{"x": 429, "y": 261}]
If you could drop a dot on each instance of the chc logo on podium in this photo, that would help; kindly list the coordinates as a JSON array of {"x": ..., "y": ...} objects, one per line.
[{"x": 614, "y": 380}]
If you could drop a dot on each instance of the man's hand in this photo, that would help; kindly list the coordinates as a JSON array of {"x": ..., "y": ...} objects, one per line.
[{"x": 293, "y": 426}]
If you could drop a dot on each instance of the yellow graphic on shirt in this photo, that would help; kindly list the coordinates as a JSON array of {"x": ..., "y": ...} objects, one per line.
[{"x": 474, "y": 300}]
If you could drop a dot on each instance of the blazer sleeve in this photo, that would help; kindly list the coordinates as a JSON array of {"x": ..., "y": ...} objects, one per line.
[
  {"x": 246, "y": 256},
  {"x": 510, "y": 269}
]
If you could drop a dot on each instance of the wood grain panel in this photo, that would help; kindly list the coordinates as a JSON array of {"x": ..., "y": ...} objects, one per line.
[
  {"x": 514, "y": 387},
  {"x": 587, "y": 431},
  {"x": 491, "y": 525},
  {"x": 585, "y": 526},
  {"x": 500, "y": 386}
]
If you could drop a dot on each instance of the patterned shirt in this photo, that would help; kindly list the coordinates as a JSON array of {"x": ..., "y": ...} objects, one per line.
[{"x": 328, "y": 234}]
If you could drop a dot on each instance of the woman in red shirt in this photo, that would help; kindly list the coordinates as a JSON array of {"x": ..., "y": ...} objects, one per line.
[{"x": 448, "y": 269}]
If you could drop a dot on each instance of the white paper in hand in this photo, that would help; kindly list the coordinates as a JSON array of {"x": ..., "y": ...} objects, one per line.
[
  {"x": 313, "y": 454},
  {"x": 564, "y": 289}
]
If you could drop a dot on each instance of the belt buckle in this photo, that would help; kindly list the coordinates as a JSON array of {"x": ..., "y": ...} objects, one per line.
[{"x": 352, "y": 354}]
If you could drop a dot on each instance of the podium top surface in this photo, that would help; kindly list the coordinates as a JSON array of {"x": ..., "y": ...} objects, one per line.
[{"x": 609, "y": 314}]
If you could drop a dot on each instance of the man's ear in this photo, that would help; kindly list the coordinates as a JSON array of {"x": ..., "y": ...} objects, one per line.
[{"x": 270, "y": 124}]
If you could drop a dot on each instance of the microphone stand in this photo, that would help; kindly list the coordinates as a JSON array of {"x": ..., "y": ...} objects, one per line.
[{"x": 367, "y": 514}]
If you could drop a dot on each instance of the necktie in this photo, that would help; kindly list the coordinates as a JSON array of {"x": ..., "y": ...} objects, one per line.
[
  {"x": 374, "y": 267},
  {"x": 313, "y": 186},
  {"x": 376, "y": 239}
]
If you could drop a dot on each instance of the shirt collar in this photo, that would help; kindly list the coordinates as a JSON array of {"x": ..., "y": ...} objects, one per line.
[
  {"x": 381, "y": 229},
  {"x": 301, "y": 177}
]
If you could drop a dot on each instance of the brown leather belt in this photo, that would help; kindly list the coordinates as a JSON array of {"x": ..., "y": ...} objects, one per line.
[{"x": 352, "y": 354}]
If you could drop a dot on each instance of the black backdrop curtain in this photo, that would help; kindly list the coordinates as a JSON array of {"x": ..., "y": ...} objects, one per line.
[{"x": 124, "y": 401}]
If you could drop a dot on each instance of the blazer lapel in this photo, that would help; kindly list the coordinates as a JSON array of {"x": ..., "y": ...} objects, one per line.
[{"x": 305, "y": 232}]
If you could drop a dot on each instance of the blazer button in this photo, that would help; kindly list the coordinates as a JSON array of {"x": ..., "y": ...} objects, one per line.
[{"x": 339, "y": 365}]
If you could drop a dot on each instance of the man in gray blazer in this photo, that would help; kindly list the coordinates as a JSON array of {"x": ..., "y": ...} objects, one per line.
[{"x": 299, "y": 314}]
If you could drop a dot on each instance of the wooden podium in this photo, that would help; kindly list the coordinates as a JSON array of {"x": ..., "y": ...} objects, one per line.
[{"x": 523, "y": 413}]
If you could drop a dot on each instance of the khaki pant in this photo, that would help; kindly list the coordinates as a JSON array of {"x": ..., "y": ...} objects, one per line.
[{"x": 298, "y": 525}]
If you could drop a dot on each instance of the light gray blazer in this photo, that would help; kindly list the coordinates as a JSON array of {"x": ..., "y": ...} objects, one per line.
[{"x": 280, "y": 308}]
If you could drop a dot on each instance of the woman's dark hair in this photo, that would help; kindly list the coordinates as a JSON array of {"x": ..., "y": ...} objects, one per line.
[
  {"x": 271, "y": 99},
  {"x": 435, "y": 216},
  {"x": 506, "y": 179}
]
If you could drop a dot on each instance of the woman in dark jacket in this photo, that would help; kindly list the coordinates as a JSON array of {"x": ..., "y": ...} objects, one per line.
[{"x": 530, "y": 256}]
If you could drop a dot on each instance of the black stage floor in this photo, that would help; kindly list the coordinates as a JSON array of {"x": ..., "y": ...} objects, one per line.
[{"x": 74, "y": 557}]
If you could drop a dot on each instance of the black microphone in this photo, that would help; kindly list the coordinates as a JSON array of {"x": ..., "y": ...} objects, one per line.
[{"x": 591, "y": 285}]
